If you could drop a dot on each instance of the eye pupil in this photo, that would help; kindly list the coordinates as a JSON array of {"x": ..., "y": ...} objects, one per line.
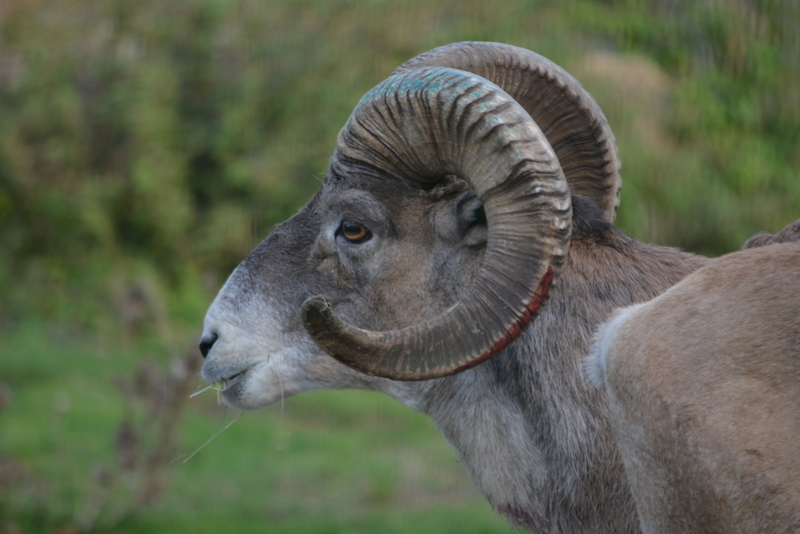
[{"x": 354, "y": 232}]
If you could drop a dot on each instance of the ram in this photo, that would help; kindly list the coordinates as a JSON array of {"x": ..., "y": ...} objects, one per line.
[
  {"x": 473, "y": 185},
  {"x": 703, "y": 385}
]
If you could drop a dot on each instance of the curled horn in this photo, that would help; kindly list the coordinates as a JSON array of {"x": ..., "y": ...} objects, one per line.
[
  {"x": 570, "y": 118},
  {"x": 421, "y": 125}
]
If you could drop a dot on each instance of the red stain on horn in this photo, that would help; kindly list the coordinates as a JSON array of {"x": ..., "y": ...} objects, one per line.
[
  {"x": 520, "y": 323},
  {"x": 531, "y": 311}
]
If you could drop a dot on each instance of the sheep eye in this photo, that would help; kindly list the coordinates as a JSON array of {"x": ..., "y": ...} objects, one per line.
[{"x": 354, "y": 232}]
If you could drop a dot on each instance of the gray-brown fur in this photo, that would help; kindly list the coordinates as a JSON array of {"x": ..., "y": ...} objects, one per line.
[
  {"x": 532, "y": 435},
  {"x": 789, "y": 234},
  {"x": 704, "y": 394},
  {"x": 568, "y": 476},
  {"x": 535, "y": 438}
]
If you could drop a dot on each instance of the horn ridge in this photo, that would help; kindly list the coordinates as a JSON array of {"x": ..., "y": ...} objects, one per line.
[
  {"x": 558, "y": 103},
  {"x": 445, "y": 121}
]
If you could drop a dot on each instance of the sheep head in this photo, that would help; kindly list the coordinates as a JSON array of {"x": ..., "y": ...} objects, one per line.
[{"x": 435, "y": 236}]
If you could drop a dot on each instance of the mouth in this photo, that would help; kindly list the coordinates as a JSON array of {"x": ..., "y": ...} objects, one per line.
[
  {"x": 223, "y": 385},
  {"x": 231, "y": 380}
]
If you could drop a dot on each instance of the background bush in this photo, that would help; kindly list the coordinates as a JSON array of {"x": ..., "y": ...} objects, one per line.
[{"x": 169, "y": 137}]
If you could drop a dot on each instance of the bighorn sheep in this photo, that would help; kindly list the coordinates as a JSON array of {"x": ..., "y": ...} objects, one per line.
[
  {"x": 460, "y": 188},
  {"x": 703, "y": 385}
]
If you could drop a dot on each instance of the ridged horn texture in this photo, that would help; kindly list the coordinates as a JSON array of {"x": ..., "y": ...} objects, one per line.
[
  {"x": 420, "y": 126},
  {"x": 569, "y": 117}
]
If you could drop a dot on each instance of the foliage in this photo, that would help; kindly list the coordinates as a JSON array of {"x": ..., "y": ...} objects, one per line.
[
  {"x": 161, "y": 140},
  {"x": 733, "y": 118}
]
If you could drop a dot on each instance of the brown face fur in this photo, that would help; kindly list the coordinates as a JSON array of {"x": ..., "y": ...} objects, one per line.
[{"x": 423, "y": 248}]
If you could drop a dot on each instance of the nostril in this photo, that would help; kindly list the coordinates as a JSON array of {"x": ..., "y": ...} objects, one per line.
[{"x": 206, "y": 343}]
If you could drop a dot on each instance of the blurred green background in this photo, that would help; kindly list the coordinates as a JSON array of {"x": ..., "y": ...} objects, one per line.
[{"x": 146, "y": 147}]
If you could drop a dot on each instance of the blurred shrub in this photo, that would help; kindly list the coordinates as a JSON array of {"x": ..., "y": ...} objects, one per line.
[
  {"x": 733, "y": 117},
  {"x": 102, "y": 492},
  {"x": 165, "y": 139}
]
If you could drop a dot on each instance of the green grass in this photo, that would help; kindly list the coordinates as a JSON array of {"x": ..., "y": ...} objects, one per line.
[{"x": 323, "y": 462}]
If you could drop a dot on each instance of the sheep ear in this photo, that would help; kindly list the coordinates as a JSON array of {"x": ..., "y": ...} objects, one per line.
[
  {"x": 463, "y": 221},
  {"x": 471, "y": 219}
]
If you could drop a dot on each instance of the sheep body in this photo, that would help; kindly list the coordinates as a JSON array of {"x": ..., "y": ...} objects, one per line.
[
  {"x": 703, "y": 387},
  {"x": 444, "y": 200}
]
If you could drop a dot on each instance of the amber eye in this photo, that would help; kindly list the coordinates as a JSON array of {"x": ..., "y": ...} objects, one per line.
[{"x": 354, "y": 232}]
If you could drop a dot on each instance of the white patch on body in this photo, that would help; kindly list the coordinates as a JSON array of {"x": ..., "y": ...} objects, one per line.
[{"x": 596, "y": 364}]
